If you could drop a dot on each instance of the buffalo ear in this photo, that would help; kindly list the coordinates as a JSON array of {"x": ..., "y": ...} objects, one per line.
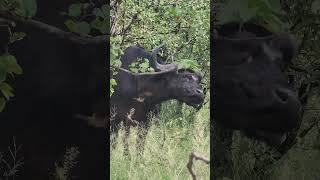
[{"x": 287, "y": 45}]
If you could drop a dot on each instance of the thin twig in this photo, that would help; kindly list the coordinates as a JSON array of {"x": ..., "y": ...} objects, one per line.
[{"x": 195, "y": 156}]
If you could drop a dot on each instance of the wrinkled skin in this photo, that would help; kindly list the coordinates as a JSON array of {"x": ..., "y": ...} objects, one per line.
[
  {"x": 252, "y": 89},
  {"x": 183, "y": 85}
]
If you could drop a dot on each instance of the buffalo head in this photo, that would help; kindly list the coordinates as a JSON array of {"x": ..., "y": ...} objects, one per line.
[
  {"x": 167, "y": 82},
  {"x": 252, "y": 89}
]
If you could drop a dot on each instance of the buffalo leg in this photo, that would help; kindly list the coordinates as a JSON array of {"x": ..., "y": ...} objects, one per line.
[
  {"x": 141, "y": 137},
  {"x": 126, "y": 139}
]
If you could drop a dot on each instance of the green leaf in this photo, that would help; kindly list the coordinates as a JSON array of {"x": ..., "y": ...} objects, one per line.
[
  {"x": 2, "y": 103},
  {"x": 6, "y": 90},
  {"x": 133, "y": 69},
  {"x": 10, "y": 64},
  {"x": 112, "y": 84},
  {"x": 80, "y": 28},
  {"x": 71, "y": 25},
  {"x": 31, "y": 7},
  {"x": 17, "y": 36},
  {"x": 189, "y": 64},
  {"x": 83, "y": 27},
  {"x": 100, "y": 25},
  {"x": 144, "y": 66},
  {"x": 27, "y": 8},
  {"x": 150, "y": 69},
  {"x": 75, "y": 10}
]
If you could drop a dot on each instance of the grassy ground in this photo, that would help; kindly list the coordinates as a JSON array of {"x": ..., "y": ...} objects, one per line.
[{"x": 171, "y": 138}]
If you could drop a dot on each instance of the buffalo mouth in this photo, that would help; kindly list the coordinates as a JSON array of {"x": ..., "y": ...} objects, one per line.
[
  {"x": 194, "y": 101},
  {"x": 97, "y": 120}
]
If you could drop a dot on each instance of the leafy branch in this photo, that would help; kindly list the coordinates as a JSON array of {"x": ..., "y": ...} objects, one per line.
[{"x": 263, "y": 12}]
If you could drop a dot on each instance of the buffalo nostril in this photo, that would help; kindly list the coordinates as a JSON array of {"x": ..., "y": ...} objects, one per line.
[{"x": 282, "y": 94}]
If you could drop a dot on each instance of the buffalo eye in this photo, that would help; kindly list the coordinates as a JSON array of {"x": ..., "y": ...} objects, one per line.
[{"x": 246, "y": 59}]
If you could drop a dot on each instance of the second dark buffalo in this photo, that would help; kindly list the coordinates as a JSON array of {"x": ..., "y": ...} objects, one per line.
[
  {"x": 252, "y": 88},
  {"x": 138, "y": 94}
]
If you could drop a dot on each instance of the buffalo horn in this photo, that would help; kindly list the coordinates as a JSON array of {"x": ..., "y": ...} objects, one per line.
[{"x": 160, "y": 67}]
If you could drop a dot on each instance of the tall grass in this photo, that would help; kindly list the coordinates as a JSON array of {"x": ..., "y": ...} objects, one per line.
[{"x": 172, "y": 137}]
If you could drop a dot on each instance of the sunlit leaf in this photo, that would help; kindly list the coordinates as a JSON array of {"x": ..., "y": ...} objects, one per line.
[
  {"x": 6, "y": 90},
  {"x": 17, "y": 36},
  {"x": 75, "y": 10}
]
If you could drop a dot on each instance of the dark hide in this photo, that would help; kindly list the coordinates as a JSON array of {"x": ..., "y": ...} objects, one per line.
[
  {"x": 252, "y": 89},
  {"x": 145, "y": 92},
  {"x": 60, "y": 81}
]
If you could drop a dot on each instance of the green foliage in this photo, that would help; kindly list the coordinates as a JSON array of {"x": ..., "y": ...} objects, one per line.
[
  {"x": 6, "y": 90},
  {"x": 115, "y": 53},
  {"x": 25, "y": 8},
  {"x": 78, "y": 27},
  {"x": 8, "y": 63},
  {"x": 86, "y": 18},
  {"x": 189, "y": 64},
  {"x": 263, "y": 12},
  {"x": 17, "y": 36},
  {"x": 141, "y": 66},
  {"x": 8, "y": 66},
  {"x": 113, "y": 83}
]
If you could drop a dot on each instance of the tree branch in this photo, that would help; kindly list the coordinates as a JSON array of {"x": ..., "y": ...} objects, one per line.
[
  {"x": 195, "y": 156},
  {"x": 304, "y": 132},
  {"x": 30, "y": 24}
]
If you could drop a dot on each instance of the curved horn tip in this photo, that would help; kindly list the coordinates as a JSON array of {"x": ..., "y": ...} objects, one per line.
[{"x": 157, "y": 48}]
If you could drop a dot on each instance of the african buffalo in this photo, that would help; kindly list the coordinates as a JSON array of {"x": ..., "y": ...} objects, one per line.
[
  {"x": 144, "y": 91},
  {"x": 252, "y": 89},
  {"x": 61, "y": 82}
]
